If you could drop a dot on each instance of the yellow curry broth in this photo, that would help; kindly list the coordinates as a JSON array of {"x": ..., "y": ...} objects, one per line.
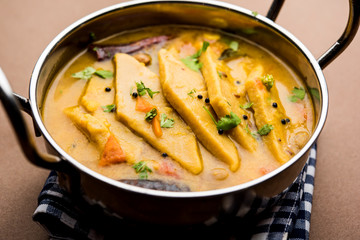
[{"x": 66, "y": 91}]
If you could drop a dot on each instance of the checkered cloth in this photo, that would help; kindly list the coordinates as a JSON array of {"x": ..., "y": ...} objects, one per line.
[{"x": 286, "y": 216}]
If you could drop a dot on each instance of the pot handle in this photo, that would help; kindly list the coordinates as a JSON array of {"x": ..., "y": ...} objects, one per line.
[
  {"x": 345, "y": 39},
  {"x": 26, "y": 141}
]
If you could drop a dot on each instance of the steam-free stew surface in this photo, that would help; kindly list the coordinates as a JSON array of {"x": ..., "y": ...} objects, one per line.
[{"x": 198, "y": 81}]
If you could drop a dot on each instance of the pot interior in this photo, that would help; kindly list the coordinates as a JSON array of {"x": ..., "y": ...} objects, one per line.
[{"x": 134, "y": 15}]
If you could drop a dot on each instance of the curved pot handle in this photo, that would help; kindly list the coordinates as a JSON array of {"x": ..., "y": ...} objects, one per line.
[
  {"x": 345, "y": 39},
  {"x": 26, "y": 141}
]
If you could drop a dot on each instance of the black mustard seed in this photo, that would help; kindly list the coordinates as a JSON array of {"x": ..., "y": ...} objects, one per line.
[{"x": 199, "y": 96}]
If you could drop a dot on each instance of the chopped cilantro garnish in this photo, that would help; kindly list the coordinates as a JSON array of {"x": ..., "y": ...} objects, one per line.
[
  {"x": 254, "y": 13},
  {"x": 298, "y": 94},
  {"x": 192, "y": 61},
  {"x": 253, "y": 134},
  {"x": 141, "y": 89},
  {"x": 265, "y": 130},
  {"x": 268, "y": 81},
  {"x": 228, "y": 103},
  {"x": 234, "y": 45},
  {"x": 142, "y": 169},
  {"x": 192, "y": 91},
  {"x": 220, "y": 74},
  {"x": 150, "y": 115},
  {"x": 228, "y": 122},
  {"x": 247, "y": 105},
  {"x": 166, "y": 122},
  {"x": 225, "y": 123},
  {"x": 104, "y": 73},
  {"x": 84, "y": 74},
  {"x": 109, "y": 108},
  {"x": 89, "y": 71},
  {"x": 314, "y": 92}
]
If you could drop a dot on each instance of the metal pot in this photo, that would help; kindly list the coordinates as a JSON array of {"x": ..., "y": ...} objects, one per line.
[{"x": 159, "y": 206}]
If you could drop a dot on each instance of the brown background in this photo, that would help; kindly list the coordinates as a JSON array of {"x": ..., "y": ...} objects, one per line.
[{"x": 26, "y": 27}]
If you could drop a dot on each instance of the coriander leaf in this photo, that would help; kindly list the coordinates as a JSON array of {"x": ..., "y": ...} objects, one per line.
[
  {"x": 84, "y": 74},
  {"x": 150, "y": 92},
  {"x": 211, "y": 116},
  {"x": 220, "y": 74},
  {"x": 247, "y": 105},
  {"x": 253, "y": 134},
  {"x": 234, "y": 45},
  {"x": 203, "y": 49},
  {"x": 150, "y": 115},
  {"x": 314, "y": 92},
  {"x": 142, "y": 169},
  {"x": 265, "y": 130},
  {"x": 192, "y": 61},
  {"x": 104, "y": 73},
  {"x": 298, "y": 94},
  {"x": 225, "y": 123},
  {"x": 228, "y": 122},
  {"x": 268, "y": 81},
  {"x": 109, "y": 108},
  {"x": 254, "y": 13},
  {"x": 192, "y": 92},
  {"x": 166, "y": 122},
  {"x": 141, "y": 89}
]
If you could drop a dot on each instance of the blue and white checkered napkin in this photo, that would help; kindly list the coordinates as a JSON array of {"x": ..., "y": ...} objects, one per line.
[{"x": 286, "y": 216}]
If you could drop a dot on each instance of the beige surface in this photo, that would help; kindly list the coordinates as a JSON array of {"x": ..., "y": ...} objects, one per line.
[{"x": 26, "y": 27}]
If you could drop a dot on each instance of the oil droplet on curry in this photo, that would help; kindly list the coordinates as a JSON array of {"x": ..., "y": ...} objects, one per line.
[{"x": 190, "y": 107}]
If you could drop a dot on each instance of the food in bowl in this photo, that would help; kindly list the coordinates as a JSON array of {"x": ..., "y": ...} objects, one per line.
[{"x": 194, "y": 108}]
